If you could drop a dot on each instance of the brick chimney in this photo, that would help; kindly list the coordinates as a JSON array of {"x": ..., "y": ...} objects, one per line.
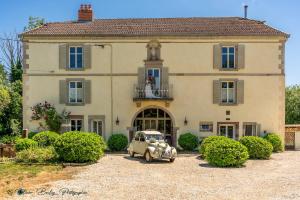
[{"x": 85, "y": 13}]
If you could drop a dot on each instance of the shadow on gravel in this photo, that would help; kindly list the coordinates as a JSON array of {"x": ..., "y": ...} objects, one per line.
[
  {"x": 142, "y": 160},
  {"x": 206, "y": 165}
]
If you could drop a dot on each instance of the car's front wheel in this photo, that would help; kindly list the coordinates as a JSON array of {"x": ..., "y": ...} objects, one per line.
[
  {"x": 131, "y": 153},
  {"x": 148, "y": 157}
]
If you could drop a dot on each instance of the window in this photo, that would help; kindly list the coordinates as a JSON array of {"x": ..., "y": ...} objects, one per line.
[
  {"x": 97, "y": 127},
  {"x": 76, "y": 57},
  {"x": 76, "y": 124},
  {"x": 227, "y": 130},
  {"x": 75, "y": 92},
  {"x": 228, "y": 92},
  {"x": 249, "y": 129},
  {"x": 206, "y": 127},
  {"x": 153, "y": 77},
  {"x": 228, "y": 58}
]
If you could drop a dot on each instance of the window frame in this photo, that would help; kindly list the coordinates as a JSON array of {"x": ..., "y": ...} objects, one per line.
[
  {"x": 75, "y": 55},
  {"x": 92, "y": 126},
  {"x": 159, "y": 73},
  {"x": 228, "y": 57},
  {"x": 76, "y": 123},
  {"x": 254, "y": 128},
  {"x": 234, "y": 89},
  {"x": 226, "y": 134},
  {"x": 76, "y": 91},
  {"x": 209, "y": 124}
]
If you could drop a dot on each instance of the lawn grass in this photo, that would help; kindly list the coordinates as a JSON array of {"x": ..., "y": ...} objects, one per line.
[{"x": 14, "y": 175}]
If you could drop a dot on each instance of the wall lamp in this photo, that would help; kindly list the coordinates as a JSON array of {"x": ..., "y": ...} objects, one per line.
[
  {"x": 117, "y": 121},
  {"x": 185, "y": 121}
]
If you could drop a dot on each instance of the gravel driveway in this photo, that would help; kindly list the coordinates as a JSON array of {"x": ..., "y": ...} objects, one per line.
[{"x": 117, "y": 176}]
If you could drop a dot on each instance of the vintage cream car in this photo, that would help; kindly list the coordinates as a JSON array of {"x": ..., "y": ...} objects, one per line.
[{"x": 151, "y": 145}]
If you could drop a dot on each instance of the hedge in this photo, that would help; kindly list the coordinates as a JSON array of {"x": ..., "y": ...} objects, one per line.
[
  {"x": 188, "y": 141},
  {"x": 257, "y": 147},
  {"x": 117, "y": 142}
]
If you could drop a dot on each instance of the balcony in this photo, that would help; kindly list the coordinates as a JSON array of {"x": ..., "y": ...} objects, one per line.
[{"x": 145, "y": 93}]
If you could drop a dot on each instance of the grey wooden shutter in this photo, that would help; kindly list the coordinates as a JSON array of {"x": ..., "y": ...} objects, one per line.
[
  {"x": 258, "y": 127},
  {"x": 63, "y": 92},
  {"x": 141, "y": 77},
  {"x": 63, "y": 56},
  {"x": 217, "y": 56},
  {"x": 87, "y": 56},
  {"x": 87, "y": 92},
  {"x": 216, "y": 91},
  {"x": 165, "y": 77},
  {"x": 240, "y": 56},
  {"x": 240, "y": 91}
]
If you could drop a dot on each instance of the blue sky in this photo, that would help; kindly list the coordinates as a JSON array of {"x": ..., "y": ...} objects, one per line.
[{"x": 281, "y": 14}]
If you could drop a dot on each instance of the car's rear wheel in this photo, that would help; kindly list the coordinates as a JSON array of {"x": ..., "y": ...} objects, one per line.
[
  {"x": 172, "y": 159},
  {"x": 148, "y": 156},
  {"x": 131, "y": 153}
]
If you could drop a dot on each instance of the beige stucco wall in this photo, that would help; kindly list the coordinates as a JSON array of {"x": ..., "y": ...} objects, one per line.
[{"x": 264, "y": 82}]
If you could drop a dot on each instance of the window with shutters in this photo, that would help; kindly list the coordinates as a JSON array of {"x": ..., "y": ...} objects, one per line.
[
  {"x": 97, "y": 126},
  {"x": 228, "y": 90},
  {"x": 75, "y": 57},
  {"x": 75, "y": 92},
  {"x": 228, "y": 57}
]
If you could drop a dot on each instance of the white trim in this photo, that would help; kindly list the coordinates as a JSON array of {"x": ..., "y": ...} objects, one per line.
[
  {"x": 75, "y": 54},
  {"x": 226, "y": 130},
  {"x": 92, "y": 126},
  {"x": 76, "y": 91},
  {"x": 228, "y": 56}
]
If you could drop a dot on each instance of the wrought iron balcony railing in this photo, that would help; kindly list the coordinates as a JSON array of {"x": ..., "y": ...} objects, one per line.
[{"x": 145, "y": 92}]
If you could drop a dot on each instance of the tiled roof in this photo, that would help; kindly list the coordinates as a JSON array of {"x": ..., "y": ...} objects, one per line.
[{"x": 218, "y": 26}]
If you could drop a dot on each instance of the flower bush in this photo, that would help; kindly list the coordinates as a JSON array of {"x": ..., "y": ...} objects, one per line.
[
  {"x": 226, "y": 153},
  {"x": 25, "y": 143},
  {"x": 275, "y": 140},
  {"x": 79, "y": 147},
  {"x": 257, "y": 147},
  {"x": 117, "y": 142},
  {"x": 188, "y": 141},
  {"x": 45, "y": 138}
]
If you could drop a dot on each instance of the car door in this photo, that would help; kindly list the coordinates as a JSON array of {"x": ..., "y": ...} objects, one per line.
[
  {"x": 142, "y": 145},
  {"x": 135, "y": 142}
]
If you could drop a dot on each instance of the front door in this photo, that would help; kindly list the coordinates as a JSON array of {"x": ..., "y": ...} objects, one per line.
[
  {"x": 227, "y": 130},
  {"x": 155, "y": 119}
]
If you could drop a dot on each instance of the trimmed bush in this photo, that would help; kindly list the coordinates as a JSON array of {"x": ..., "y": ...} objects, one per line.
[
  {"x": 25, "y": 143},
  {"x": 39, "y": 155},
  {"x": 117, "y": 142},
  {"x": 188, "y": 141},
  {"x": 8, "y": 139},
  {"x": 226, "y": 153},
  {"x": 46, "y": 138},
  {"x": 31, "y": 134},
  {"x": 207, "y": 141},
  {"x": 79, "y": 147},
  {"x": 275, "y": 140},
  {"x": 258, "y": 148}
]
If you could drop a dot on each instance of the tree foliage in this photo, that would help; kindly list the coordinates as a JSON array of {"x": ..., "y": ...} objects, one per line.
[
  {"x": 34, "y": 22},
  {"x": 292, "y": 104}
]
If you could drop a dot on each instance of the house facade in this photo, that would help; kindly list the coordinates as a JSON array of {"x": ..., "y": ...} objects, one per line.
[{"x": 207, "y": 76}]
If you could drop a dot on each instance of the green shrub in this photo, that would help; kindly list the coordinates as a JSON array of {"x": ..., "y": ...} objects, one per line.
[
  {"x": 207, "y": 141},
  {"x": 46, "y": 138},
  {"x": 75, "y": 146},
  {"x": 258, "y": 148},
  {"x": 31, "y": 134},
  {"x": 226, "y": 153},
  {"x": 25, "y": 143},
  {"x": 8, "y": 139},
  {"x": 39, "y": 155},
  {"x": 188, "y": 141},
  {"x": 117, "y": 142},
  {"x": 275, "y": 140}
]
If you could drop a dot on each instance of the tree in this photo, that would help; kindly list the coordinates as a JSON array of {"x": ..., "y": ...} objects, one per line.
[
  {"x": 4, "y": 98},
  {"x": 34, "y": 22},
  {"x": 292, "y": 104},
  {"x": 16, "y": 72}
]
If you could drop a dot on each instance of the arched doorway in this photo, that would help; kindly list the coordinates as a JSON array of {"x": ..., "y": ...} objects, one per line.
[{"x": 154, "y": 119}]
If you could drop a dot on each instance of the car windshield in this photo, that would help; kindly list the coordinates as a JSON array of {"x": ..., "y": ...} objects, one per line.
[{"x": 157, "y": 137}]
